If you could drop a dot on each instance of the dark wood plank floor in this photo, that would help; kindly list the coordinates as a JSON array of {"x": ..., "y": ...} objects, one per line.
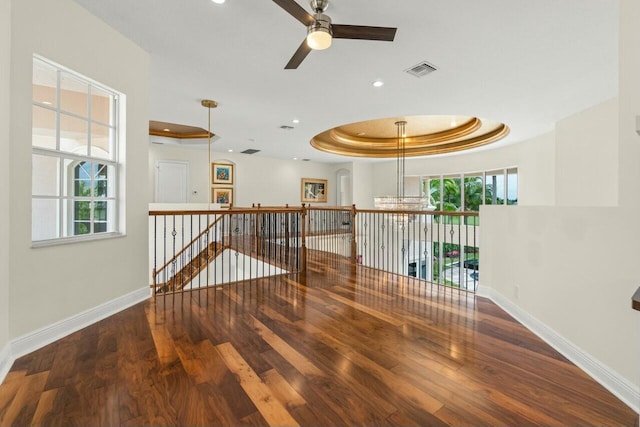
[{"x": 337, "y": 347}]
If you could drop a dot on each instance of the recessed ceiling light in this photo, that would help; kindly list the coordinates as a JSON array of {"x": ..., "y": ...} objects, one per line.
[
  {"x": 295, "y": 158},
  {"x": 230, "y": 150},
  {"x": 295, "y": 121},
  {"x": 378, "y": 83},
  {"x": 218, "y": 1},
  {"x": 166, "y": 130}
]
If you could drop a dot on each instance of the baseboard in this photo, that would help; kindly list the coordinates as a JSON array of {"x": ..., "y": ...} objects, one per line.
[
  {"x": 32, "y": 341},
  {"x": 5, "y": 361},
  {"x": 608, "y": 378}
]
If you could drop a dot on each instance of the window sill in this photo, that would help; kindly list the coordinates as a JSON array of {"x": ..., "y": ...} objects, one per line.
[{"x": 76, "y": 239}]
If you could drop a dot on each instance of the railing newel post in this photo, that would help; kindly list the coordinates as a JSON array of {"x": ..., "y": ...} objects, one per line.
[
  {"x": 303, "y": 242},
  {"x": 354, "y": 246}
]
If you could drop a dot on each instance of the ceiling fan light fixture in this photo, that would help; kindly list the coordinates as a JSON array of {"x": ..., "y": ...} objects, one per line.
[
  {"x": 319, "y": 34},
  {"x": 319, "y": 39}
]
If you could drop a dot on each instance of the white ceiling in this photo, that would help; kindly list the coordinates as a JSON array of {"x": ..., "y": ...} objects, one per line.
[{"x": 525, "y": 63}]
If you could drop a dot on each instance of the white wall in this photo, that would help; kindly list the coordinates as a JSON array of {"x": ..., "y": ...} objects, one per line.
[
  {"x": 270, "y": 182},
  {"x": 629, "y": 104},
  {"x": 568, "y": 268},
  {"x": 364, "y": 188},
  {"x": 574, "y": 269},
  {"x": 48, "y": 284},
  {"x": 629, "y": 181},
  {"x": 587, "y": 157},
  {"x": 5, "y": 195}
]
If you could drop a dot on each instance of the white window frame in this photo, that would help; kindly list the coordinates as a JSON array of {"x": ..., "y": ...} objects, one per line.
[{"x": 66, "y": 196}]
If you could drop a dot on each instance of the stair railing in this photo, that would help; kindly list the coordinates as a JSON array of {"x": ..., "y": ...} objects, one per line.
[
  {"x": 239, "y": 244},
  {"x": 170, "y": 270}
]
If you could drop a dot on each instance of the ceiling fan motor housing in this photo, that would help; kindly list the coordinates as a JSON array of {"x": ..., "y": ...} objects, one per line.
[
  {"x": 322, "y": 23},
  {"x": 319, "y": 6}
]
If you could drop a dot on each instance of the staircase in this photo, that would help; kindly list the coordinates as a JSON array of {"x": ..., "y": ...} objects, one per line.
[{"x": 191, "y": 270}]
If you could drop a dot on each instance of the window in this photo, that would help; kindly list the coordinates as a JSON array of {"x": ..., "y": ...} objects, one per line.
[
  {"x": 472, "y": 192},
  {"x": 496, "y": 188},
  {"x": 431, "y": 189},
  {"x": 512, "y": 186},
  {"x": 74, "y": 155}
]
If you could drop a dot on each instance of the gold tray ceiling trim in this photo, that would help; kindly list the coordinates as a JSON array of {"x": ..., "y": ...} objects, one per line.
[
  {"x": 426, "y": 135},
  {"x": 177, "y": 130}
]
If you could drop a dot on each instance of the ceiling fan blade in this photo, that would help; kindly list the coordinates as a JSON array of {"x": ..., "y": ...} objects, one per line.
[
  {"x": 296, "y": 11},
  {"x": 298, "y": 57},
  {"x": 363, "y": 32}
]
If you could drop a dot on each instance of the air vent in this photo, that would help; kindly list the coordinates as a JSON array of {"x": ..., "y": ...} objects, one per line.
[
  {"x": 421, "y": 69},
  {"x": 286, "y": 127},
  {"x": 250, "y": 151},
  {"x": 306, "y": 160}
]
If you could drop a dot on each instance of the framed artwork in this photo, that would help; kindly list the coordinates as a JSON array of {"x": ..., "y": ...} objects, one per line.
[
  {"x": 314, "y": 190},
  {"x": 221, "y": 173},
  {"x": 222, "y": 195}
]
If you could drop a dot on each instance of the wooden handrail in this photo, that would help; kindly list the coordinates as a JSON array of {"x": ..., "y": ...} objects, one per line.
[
  {"x": 440, "y": 213},
  {"x": 287, "y": 209},
  {"x": 330, "y": 208},
  {"x": 275, "y": 209},
  {"x": 635, "y": 300},
  {"x": 233, "y": 211}
]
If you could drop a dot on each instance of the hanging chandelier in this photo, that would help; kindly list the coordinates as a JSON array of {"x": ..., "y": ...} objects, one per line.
[{"x": 400, "y": 202}]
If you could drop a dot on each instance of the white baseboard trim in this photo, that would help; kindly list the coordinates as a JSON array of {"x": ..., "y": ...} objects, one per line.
[
  {"x": 5, "y": 361},
  {"x": 608, "y": 378},
  {"x": 32, "y": 341}
]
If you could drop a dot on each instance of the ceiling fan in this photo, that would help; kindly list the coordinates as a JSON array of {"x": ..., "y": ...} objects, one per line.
[{"x": 320, "y": 30}]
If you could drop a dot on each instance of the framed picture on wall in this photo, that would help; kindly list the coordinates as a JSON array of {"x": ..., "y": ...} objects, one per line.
[
  {"x": 314, "y": 190},
  {"x": 222, "y": 195},
  {"x": 221, "y": 173}
]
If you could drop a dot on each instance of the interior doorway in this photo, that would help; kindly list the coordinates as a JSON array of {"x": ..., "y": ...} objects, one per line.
[{"x": 343, "y": 190}]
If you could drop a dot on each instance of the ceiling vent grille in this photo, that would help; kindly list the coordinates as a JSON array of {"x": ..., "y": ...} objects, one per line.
[
  {"x": 250, "y": 151},
  {"x": 286, "y": 127},
  {"x": 421, "y": 69}
]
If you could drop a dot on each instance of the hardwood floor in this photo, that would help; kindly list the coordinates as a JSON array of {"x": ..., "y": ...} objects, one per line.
[{"x": 337, "y": 347}]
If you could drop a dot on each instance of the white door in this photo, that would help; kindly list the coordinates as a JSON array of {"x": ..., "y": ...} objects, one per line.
[{"x": 172, "y": 182}]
